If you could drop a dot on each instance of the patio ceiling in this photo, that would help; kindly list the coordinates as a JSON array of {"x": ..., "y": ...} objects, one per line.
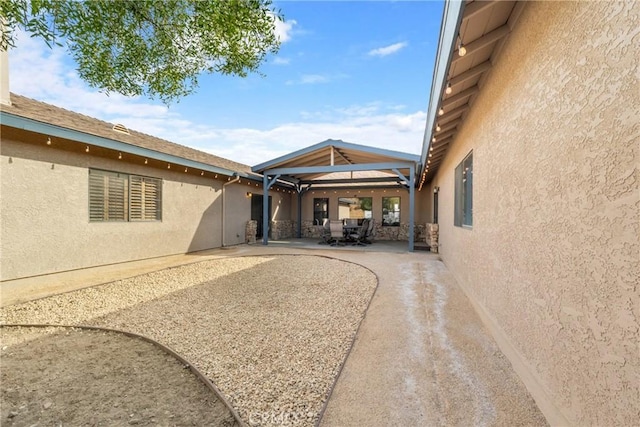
[
  {"x": 338, "y": 163},
  {"x": 481, "y": 28}
]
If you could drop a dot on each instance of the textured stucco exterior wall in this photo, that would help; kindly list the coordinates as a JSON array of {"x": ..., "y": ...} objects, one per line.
[
  {"x": 552, "y": 260},
  {"x": 45, "y": 223}
]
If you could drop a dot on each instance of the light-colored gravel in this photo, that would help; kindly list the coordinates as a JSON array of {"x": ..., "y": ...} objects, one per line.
[{"x": 271, "y": 332}]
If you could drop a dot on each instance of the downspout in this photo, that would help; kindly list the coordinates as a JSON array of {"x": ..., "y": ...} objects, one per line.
[{"x": 224, "y": 213}]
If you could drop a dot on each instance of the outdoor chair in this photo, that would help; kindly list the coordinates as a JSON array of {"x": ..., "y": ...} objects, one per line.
[
  {"x": 359, "y": 237},
  {"x": 337, "y": 233},
  {"x": 371, "y": 229},
  {"x": 325, "y": 234}
]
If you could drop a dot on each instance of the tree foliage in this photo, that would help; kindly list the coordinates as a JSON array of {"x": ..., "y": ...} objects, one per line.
[{"x": 156, "y": 48}]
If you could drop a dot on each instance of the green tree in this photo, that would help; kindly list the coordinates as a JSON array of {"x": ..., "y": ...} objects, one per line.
[{"x": 156, "y": 48}]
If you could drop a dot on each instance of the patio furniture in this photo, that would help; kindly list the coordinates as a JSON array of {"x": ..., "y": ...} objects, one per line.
[
  {"x": 337, "y": 233},
  {"x": 325, "y": 233},
  {"x": 371, "y": 229},
  {"x": 359, "y": 237}
]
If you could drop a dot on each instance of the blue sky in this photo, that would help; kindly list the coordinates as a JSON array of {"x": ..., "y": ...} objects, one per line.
[{"x": 358, "y": 71}]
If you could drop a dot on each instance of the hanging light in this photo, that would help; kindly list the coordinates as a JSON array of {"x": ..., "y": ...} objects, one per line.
[
  {"x": 48, "y": 140},
  {"x": 433, "y": 139},
  {"x": 438, "y": 127},
  {"x": 86, "y": 150},
  {"x": 448, "y": 90},
  {"x": 441, "y": 111},
  {"x": 462, "y": 51},
  {"x": 146, "y": 161},
  {"x": 119, "y": 156}
]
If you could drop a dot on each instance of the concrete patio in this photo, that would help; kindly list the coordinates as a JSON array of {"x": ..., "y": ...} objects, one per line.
[{"x": 421, "y": 355}]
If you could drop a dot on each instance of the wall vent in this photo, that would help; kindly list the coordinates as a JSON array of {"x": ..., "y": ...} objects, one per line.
[{"x": 121, "y": 128}]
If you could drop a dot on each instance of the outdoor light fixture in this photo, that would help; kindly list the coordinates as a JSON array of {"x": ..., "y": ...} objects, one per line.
[
  {"x": 202, "y": 173},
  {"x": 441, "y": 111},
  {"x": 438, "y": 127},
  {"x": 433, "y": 139},
  {"x": 185, "y": 169},
  {"x": 168, "y": 165},
  {"x": 48, "y": 140},
  {"x": 448, "y": 90},
  {"x": 146, "y": 161},
  {"x": 249, "y": 194},
  {"x": 462, "y": 51},
  {"x": 86, "y": 149},
  {"x": 436, "y": 189},
  {"x": 119, "y": 156}
]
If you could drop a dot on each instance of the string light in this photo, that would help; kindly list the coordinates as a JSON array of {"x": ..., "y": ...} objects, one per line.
[
  {"x": 202, "y": 173},
  {"x": 462, "y": 51},
  {"x": 146, "y": 161},
  {"x": 48, "y": 141},
  {"x": 119, "y": 156},
  {"x": 168, "y": 165},
  {"x": 86, "y": 150},
  {"x": 448, "y": 90},
  {"x": 441, "y": 111},
  {"x": 437, "y": 127}
]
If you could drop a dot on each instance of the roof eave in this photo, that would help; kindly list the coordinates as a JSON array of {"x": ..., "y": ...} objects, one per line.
[
  {"x": 451, "y": 20},
  {"x": 19, "y": 122}
]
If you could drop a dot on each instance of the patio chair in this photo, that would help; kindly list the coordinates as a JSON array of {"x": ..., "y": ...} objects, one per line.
[
  {"x": 371, "y": 230},
  {"x": 325, "y": 234},
  {"x": 337, "y": 233},
  {"x": 359, "y": 237}
]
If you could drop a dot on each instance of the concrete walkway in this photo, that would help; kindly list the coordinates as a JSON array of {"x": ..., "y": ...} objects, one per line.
[{"x": 421, "y": 357}]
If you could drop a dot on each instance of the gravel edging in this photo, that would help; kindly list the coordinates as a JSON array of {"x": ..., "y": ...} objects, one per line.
[{"x": 272, "y": 332}]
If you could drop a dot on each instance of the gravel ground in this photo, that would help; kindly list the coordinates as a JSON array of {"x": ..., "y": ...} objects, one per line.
[{"x": 271, "y": 332}]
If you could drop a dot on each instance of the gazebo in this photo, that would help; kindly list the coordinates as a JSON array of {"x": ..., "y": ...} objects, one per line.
[{"x": 317, "y": 165}]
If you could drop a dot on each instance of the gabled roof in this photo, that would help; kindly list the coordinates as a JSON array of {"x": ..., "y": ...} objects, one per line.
[
  {"x": 331, "y": 156},
  {"x": 481, "y": 27},
  {"x": 86, "y": 129}
]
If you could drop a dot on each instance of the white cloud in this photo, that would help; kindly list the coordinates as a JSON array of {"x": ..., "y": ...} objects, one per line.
[
  {"x": 284, "y": 29},
  {"x": 281, "y": 61},
  {"x": 388, "y": 50},
  {"x": 41, "y": 73},
  {"x": 312, "y": 79}
]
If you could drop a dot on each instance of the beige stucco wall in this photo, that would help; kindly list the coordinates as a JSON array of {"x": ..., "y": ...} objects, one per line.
[
  {"x": 45, "y": 225},
  {"x": 552, "y": 261}
]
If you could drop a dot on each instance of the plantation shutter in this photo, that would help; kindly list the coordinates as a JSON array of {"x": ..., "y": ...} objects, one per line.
[
  {"x": 145, "y": 199},
  {"x": 108, "y": 196}
]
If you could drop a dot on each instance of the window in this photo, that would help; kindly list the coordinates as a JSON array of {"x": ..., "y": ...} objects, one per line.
[
  {"x": 117, "y": 196},
  {"x": 463, "y": 215},
  {"x": 320, "y": 210},
  {"x": 357, "y": 208},
  {"x": 391, "y": 211}
]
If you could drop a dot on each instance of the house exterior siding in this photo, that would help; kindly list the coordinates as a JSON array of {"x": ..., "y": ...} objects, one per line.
[
  {"x": 45, "y": 220},
  {"x": 551, "y": 261}
]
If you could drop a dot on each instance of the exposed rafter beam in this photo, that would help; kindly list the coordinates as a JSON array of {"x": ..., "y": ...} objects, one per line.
[
  {"x": 445, "y": 135},
  {"x": 447, "y": 126},
  {"x": 349, "y": 181},
  {"x": 459, "y": 96},
  {"x": 482, "y": 42},
  {"x": 338, "y": 168},
  {"x": 450, "y": 115},
  {"x": 475, "y": 8},
  {"x": 471, "y": 73},
  {"x": 339, "y": 153}
]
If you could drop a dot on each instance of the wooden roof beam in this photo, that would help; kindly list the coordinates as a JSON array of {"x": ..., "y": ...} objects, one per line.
[
  {"x": 459, "y": 96},
  {"x": 471, "y": 73},
  {"x": 482, "y": 42},
  {"x": 475, "y": 8}
]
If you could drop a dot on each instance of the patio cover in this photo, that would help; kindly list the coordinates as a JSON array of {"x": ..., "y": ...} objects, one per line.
[{"x": 319, "y": 164}]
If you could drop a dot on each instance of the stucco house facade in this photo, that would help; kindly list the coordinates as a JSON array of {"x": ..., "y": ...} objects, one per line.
[
  {"x": 77, "y": 192},
  {"x": 533, "y": 155},
  {"x": 529, "y": 167}
]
